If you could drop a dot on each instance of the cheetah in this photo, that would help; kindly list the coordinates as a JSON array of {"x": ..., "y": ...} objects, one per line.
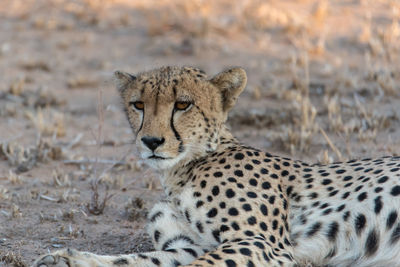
[{"x": 228, "y": 204}]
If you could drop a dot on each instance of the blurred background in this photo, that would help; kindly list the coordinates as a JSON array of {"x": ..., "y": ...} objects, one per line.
[{"x": 323, "y": 87}]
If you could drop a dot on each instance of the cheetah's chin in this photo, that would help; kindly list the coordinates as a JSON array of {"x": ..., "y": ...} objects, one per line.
[{"x": 163, "y": 163}]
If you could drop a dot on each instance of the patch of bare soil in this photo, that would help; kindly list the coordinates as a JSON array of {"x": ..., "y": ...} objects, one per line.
[{"x": 323, "y": 86}]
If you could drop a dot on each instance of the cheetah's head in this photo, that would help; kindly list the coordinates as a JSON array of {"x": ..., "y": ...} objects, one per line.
[{"x": 176, "y": 113}]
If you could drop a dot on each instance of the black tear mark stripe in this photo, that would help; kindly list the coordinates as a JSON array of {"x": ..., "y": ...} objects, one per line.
[
  {"x": 141, "y": 122},
  {"x": 177, "y": 136},
  {"x": 175, "y": 239}
]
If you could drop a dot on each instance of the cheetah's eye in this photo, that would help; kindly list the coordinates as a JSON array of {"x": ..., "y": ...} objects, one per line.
[
  {"x": 181, "y": 105},
  {"x": 139, "y": 105}
]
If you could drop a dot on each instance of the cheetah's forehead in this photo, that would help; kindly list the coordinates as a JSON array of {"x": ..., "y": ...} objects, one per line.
[{"x": 170, "y": 82}]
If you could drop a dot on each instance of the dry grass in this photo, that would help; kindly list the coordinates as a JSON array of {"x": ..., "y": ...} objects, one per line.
[
  {"x": 25, "y": 158},
  {"x": 48, "y": 122},
  {"x": 13, "y": 259}
]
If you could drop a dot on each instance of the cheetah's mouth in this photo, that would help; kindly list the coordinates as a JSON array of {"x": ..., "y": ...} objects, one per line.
[{"x": 157, "y": 157}]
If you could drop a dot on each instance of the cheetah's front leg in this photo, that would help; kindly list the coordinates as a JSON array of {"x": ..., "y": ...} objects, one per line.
[{"x": 176, "y": 242}]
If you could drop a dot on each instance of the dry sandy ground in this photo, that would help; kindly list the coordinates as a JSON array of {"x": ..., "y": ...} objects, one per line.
[{"x": 323, "y": 86}]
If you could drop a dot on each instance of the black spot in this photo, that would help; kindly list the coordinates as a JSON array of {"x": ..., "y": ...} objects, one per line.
[
  {"x": 224, "y": 228},
  {"x": 156, "y": 216},
  {"x": 230, "y": 263},
  {"x": 266, "y": 185},
  {"x": 238, "y": 173},
  {"x": 346, "y": 216},
  {"x": 332, "y": 231},
  {"x": 327, "y": 211},
  {"x": 175, "y": 239},
  {"x": 191, "y": 252},
  {"x": 215, "y": 256},
  {"x": 263, "y": 226},
  {"x": 251, "y": 195},
  {"x": 331, "y": 194},
  {"x": 252, "y": 220},
  {"x": 203, "y": 183},
  {"x": 264, "y": 209},
  {"x": 249, "y": 233},
  {"x": 235, "y": 226},
  {"x": 378, "y": 204},
  {"x": 347, "y": 178},
  {"x": 271, "y": 200},
  {"x": 274, "y": 224},
  {"x": 233, "y": 212},
  {"x": 378, "y": 189},
  {"x": 264, "y": 171},
  {"x": 391, "y": 219},
  {"x": 372, "y": 243},
  {"x": 274, "y": 176},
  {"x": 345, "y": 195},
  {"x": 157, "y": 235},
  {"x": 248, "y": 167},
  {"x": 361, "y": 197},
  {"x": 200, "y": 227},
  {"x": 276, "y": 212},
  {"x": 229, "y": 251},
  {"x": 326, "y": 181},
  {"x": 395, "y": 190},
  {"x": 215, "y": 190},
  {"x": 359, "y": 223},
  {"x": 155, "y": 261},
  {"x": 212, "y": 213},
  {"x": 199, "y": 203},
  {"x": 215, "y": 234},
  {"x": 246, "y": 207},
  {"x": 230, "y": 193},
  {"x": 341, "y": 207},
  {"x": 277, "y": 167},
  {"x": 120, "y": 261},
  {"x": 187, "y": 215},
  {"x": 272, "y": 239},
  {"x": 245, "y": 251},
  {"x": 239, "y": 156},
  {"x": 217, "y": 174},
  {"x": 253, "y": 182},
  {"x": 383, "y": 179},
  {"x": 314, "y": 229},
  {"x": 259, "y": 245}
]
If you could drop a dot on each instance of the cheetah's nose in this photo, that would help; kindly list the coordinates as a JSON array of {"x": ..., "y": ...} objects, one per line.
[{"x": 152, "y": 142}]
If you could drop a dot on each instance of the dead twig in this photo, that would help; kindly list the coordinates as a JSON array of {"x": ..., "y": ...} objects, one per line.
[{"x": 331, "y": 145}]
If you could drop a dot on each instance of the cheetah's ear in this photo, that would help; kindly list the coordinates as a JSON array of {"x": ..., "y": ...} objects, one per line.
[
  {"x": 231, "y": 83},
  {"x": 122, "y": 80}
]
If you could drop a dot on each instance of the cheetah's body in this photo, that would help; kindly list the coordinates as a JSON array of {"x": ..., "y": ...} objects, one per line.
[{"x": 231, "y": 205}]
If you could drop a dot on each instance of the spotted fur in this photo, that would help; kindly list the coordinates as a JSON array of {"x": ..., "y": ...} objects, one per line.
[{"x": 232, "y": 205}]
